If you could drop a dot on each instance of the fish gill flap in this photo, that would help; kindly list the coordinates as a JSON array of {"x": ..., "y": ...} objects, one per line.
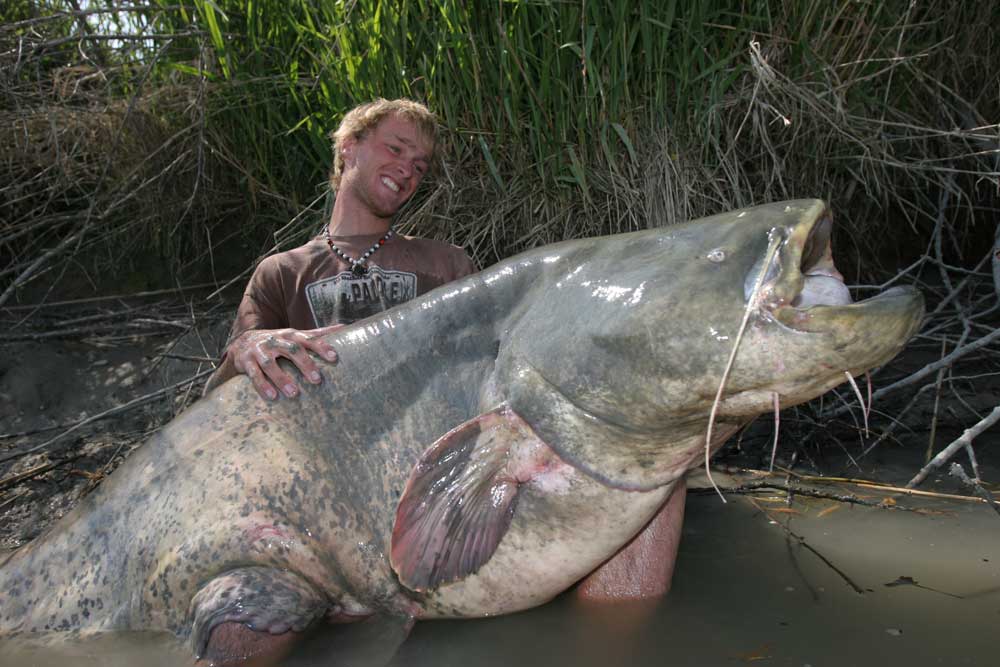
[
  {"x": 459, "y": 501},
  {"x": 614, "y": 455}
]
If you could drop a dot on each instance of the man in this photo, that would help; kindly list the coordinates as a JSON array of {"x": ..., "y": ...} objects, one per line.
[{"x": 358, "y": 267}]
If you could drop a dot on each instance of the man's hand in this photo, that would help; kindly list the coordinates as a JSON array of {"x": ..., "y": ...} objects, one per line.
[{"x": 256, "y": 353}]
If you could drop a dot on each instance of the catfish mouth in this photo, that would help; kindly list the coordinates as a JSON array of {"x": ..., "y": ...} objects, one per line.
[
  {"x": 822, "y": 284},
  {"x": 807, "y": 286}
]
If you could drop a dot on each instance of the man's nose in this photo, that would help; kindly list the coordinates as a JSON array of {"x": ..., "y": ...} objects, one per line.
[{"x": 404, "y": 167}]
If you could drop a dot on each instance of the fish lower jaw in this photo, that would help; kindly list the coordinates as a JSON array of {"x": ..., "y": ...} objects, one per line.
[
  {"x": 753, "y": 402},
  {"x": 747, "y": 403}
]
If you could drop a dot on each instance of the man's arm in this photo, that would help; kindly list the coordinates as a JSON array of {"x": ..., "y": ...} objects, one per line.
[{"x": 643, "y": 568}]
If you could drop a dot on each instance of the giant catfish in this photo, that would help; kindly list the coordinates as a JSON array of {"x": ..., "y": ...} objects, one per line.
[{"x": 476, "y": 451}]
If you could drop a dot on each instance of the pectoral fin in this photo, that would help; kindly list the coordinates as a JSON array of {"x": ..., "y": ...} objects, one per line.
[{"x": 461, "y": 498}]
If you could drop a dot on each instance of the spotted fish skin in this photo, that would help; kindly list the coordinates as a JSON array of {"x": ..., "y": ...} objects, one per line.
[{"x": 544, "y": 408}]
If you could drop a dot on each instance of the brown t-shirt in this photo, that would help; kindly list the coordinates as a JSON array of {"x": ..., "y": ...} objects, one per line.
[{"x": 310, "y": 287}]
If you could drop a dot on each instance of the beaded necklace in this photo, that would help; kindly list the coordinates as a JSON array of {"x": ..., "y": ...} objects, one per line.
[{"x": 357, "y": 265}]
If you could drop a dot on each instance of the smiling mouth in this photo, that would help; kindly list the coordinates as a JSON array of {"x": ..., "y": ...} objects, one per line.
[{"x": 389, "y": 183}]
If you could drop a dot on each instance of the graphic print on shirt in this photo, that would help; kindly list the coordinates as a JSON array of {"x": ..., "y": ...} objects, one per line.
[{"x": 345, "y": 298}]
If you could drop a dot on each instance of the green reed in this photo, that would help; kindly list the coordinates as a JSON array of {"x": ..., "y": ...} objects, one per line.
[{"x": 572, "y": 118}]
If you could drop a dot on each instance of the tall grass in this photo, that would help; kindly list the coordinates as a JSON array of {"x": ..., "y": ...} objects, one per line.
[
  {"x": 563, "y": 119},
  {"x": 573, "y": 118}
]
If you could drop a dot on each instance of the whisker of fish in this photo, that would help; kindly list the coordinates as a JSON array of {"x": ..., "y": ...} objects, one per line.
[
  {"x": 861, "y": 400},
  {"x": 777, "y": 424},
  {"x": 868, "y": 379},
  {"x": 774, "y": 240}
]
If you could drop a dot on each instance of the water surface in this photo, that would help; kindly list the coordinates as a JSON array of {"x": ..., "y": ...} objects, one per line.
[{"x": 746, "y": 591}]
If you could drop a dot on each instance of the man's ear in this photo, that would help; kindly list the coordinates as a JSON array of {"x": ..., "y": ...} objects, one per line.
[{"x": 347, "y": 147}]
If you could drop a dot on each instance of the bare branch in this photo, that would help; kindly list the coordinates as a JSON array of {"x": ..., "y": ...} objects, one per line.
[
  {"x": 963, "y": 441},
  {"x": 947, "y": 361},
  {"x": 134, "y": 403}
]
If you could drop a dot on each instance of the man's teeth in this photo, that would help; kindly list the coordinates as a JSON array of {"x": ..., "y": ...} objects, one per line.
[{"x": 390, "y": 184}]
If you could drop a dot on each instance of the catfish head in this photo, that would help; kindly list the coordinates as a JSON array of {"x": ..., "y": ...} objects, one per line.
[{"x": 617, "y": 362}]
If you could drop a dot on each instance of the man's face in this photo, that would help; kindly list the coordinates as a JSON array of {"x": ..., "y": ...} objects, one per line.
[{"x": 383, "y": 169}]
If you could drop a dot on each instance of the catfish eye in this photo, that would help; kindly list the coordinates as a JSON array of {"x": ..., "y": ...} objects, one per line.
[{"x": 716, "y": 255}]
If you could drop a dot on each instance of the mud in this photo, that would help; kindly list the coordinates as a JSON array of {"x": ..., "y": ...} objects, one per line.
[{"x": 48, "y": 387}]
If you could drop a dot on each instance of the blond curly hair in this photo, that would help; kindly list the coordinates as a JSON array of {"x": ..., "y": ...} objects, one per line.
[{"x": 365, "y": 117}]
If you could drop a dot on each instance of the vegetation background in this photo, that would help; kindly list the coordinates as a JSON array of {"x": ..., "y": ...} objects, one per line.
[
  {"x": 167, "y": 145},
  {"x": 151, "y": 144}
]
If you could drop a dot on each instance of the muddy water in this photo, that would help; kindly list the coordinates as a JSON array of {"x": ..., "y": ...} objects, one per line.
[{"x": 745, "y": 592}]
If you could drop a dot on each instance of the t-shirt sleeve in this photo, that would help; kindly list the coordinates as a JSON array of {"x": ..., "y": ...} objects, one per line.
[
  {"x": 462, "y": 264},
  {"x": 263, "y": 305}
]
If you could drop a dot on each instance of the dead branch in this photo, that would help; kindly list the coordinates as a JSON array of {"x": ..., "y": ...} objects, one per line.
[
  {"x": 134, "y": 403},
  {"x": 117, "y": 37},
  {"x": 110, "y": 297},
  {"x": 14, "y": 480},
  {"x": 188, "y": 357},
  {"x": 937, "y": 403},
  {"x": 958, "y": 288},
  {"x": 959, "y": 472},
  {"x": 913, "y": 378},
  {"x": 965, "y": 440},
  {"x": 801, "y": 541},
  {"x": 138, "y": 327},
  {"x": 25, "y": 275},
  {"x": 763, "y": 481},
  {"x": 35, "y": 431},
  {"x": 996, "y": 263}
]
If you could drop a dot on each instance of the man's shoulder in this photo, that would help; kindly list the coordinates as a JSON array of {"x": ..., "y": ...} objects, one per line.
[
  {"x": 445, "y": 260},
  {"x": 433, "y": 245},
  {"x": 295, "y": 258}
]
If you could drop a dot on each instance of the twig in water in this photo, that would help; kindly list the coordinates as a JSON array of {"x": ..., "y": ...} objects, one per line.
[
  {"x": 910, "y": 581},
  {"x": 793, "y": 557},
  {"x": 843, "y": 575},
  {"x": 802, "y": 542},
  {"x": 962, "y": 441},
  {"x": 819, "y": 479},
  {"x": 959, "y": 472}
]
